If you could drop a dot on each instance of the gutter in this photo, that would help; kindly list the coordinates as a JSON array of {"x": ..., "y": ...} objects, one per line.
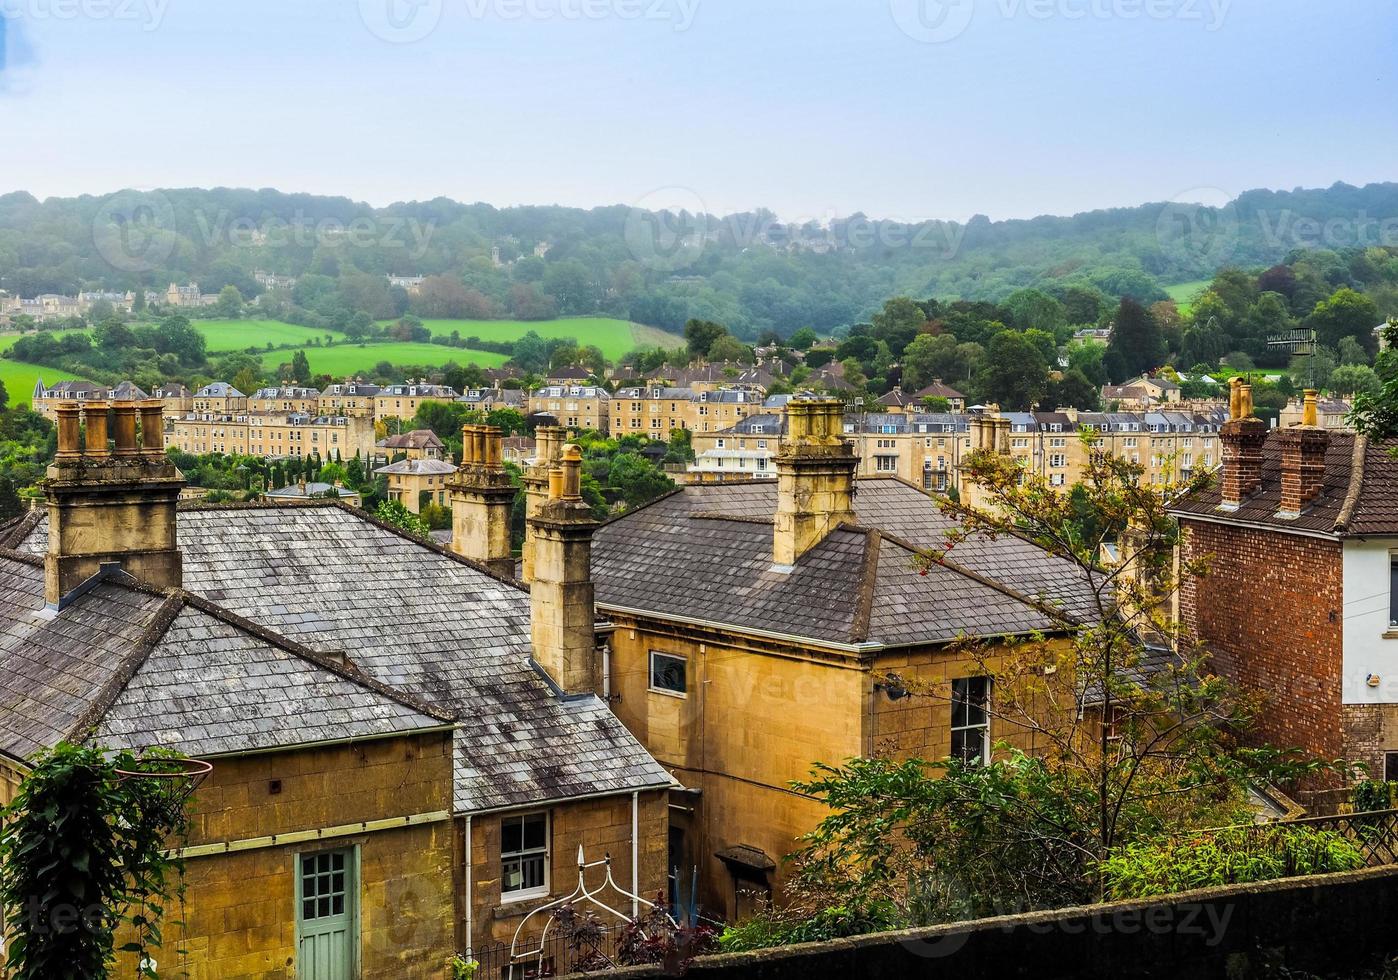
[{"x": 1252, "y": 525}]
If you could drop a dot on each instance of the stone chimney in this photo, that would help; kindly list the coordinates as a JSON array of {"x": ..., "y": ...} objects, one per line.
[
  {"x": 1302, "y": 460},
  {"x": 482, "y": 497},
  {"x": 111, "y": 504},
  {"x": 548, "y": 445},
  {"x": 1242, "y": 437},
  {"x": 561, "y": 594},
  {"x": 815, "y": 479}
]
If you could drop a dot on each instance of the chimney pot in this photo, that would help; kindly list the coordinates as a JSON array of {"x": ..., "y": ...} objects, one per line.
[
  {"x": 95, "y": 415},
  {"x": 125, "y": 432},
  {"x": 69, "y": 446}
]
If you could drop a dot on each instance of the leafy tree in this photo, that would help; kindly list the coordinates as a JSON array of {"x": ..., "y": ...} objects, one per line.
[
  {"x": 1035, "y": 310},
  {"x": 230, "y": 302},
  {"x": 803, "y": 339},
  {"x": 1015, "y": 375},
  {"x": 393, "y": 512},
  {"x": 300, "y": 368},
  {"x": 4, "y": 397},
  {"x": 1136, "y": 341},
  {"x": 898, "y": 322},
  {"x": 1346, "y": 313},
  {"x": 637, "y": 479},
  {"x": 700, "y": 335},
  {"x": 1074, "y": 390},
  {"x": 82, "y": 853},
  {"x": 729, "y": 348},
  {"x": 1355, "y": 379},
  {"x": 1122, "y": 754}
]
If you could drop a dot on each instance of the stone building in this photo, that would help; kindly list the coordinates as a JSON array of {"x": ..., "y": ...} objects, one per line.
[
  {"x": 413, "y": 482},
  {"x": 1301, "y": 600},
  {"x": 219, "y": 398},
  {"x": 577, "y": 407},
  {"x": 758, "y": 628},
  {"x": 403, "y": 768},
  {"x": 285, "y": 400},
  {"x": 402, "y": 401},
  {"x": 417, "y": 444},
  {"x": 354, "y": 399},
  {"x": 272, "y": 436}
]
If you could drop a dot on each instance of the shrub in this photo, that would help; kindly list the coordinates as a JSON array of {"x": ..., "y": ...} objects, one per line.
[
  {"x": 785, "y": 928},
  {"x": 1231, "y": 856}
]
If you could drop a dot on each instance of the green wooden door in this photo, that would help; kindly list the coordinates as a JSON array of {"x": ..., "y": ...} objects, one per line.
[{"x": 326, "y": 913}]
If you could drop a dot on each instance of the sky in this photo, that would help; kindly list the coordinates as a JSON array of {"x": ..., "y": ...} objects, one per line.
[{"x": 815, "y": 109}]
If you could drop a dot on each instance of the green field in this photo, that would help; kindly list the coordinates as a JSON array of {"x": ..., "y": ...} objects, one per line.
[
  {"x": 615, "y": 338},
  {"x": 19, "y": 378},
  {"x": 343, "y": 360},
  {"x": 1185, "y": 293},
  {"x": 230, "y": 335}
]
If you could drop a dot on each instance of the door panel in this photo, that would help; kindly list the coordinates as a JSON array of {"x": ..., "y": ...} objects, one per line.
[{"x": 326, "y": 893}]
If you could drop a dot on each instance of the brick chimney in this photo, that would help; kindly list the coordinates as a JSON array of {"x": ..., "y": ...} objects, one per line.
[
  {"x": 482, "y": 497},
  {"x": 548, "y": 444},
  {"x": 1242, "y": 437},
  {"x": 111, "y": 503},
  {"x": 815, "y": 479},
  {"x": 561, "y": 594},
  {"x": 1302, "y": 460}
]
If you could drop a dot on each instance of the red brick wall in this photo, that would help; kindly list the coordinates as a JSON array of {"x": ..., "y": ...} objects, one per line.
[{"x": 1269, "y": 612}]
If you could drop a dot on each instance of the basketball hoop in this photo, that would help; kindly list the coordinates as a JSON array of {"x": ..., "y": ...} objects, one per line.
[{"x": 171, "y": 780}]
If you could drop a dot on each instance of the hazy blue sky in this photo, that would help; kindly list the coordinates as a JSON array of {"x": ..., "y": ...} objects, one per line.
[{"x": 815, "y": 108}]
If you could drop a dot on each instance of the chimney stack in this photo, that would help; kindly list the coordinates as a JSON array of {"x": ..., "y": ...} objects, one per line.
[
  {"x": 1302, "y": 460},
  {"x": 548, "y": 444},
  {"x": 561, "y": 593},
  {"x": 482, "y": 497},
  {"x": 1242, "y": 437},
  {"x": 815, "y": 479},
  {"x": 111, "y": 506}
]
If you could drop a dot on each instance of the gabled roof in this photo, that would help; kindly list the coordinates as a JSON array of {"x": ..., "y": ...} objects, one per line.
[
  {"x": 138, "y": 668},
  {"x": 413, "y": 617},
  {"x": 704, "y": 553},
  {"x": 938, "y": 390},
  {"x": 416, "y": 439},
  {"x": 417, "y": 467},
  {"x": 1358, "y": 497}
]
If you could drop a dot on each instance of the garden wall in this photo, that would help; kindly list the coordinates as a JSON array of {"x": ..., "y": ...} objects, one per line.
[{"x": 1323, "y": 925}]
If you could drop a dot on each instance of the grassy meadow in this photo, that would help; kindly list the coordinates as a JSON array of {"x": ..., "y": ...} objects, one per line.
[
  {"x": 343, "y": 360},
  {"x": 1185, "y": 293},
  {"x": 615, "y": 338},
  {"x": 232, "y": 335}
]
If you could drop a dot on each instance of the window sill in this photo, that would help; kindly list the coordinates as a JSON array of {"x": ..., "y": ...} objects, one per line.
[
  {"x": 1391, "y": 634},
  {"x": 512, "y": 908},
  {"x": 679, "y": 695}
]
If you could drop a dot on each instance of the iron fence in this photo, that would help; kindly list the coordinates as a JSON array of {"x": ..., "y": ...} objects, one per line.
[{"x": 559, "y": 955}]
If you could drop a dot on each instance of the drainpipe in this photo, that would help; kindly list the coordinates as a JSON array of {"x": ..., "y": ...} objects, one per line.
[
  {"x": 469, "y": 918},
  {"x": 635, "y": 854}
]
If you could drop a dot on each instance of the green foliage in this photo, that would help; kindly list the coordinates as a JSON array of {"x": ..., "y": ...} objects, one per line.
[
  {"x": 393, "y": 512},
  {"x": 81, "y": 854},
  {"x": 1234, "y": 855},
  {"x": 1372, "y": 794},
  {"x": 462, "y": 967},
  {"x": 770, "y": 927}
]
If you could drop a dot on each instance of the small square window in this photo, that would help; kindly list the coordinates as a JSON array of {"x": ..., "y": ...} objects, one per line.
[
  {"x": 524, "y": 856},
  {"x": 970, "y": 719},
  {"x": 667, "y": 673}
]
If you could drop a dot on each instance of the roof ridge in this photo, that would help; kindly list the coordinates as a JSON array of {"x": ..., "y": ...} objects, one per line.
[
  {"x": 679, "y": 488},
  {"x": 18, "y": 529},
  {"x": 369, "y": 518},
  {"x": 1356, "y": 483},
  {"x": 346, "y": 671},
  {"x": 713, "y": 515},
  {"x": 107, "y": 694}
]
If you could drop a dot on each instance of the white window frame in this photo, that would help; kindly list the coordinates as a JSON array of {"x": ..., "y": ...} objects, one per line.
[
  {"x": 526, "y": 853},
  {"x": 967, "y": 725},
  {"x": 650, "y": 672}
]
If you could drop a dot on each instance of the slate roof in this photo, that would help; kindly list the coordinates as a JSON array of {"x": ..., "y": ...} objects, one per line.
[
  {"x": 419, "y": 621},
  {"x": 139, "y": 668},
  {"x": 705, "y": 553},
  {"x": 417, "y": 467},
  {"x": 1358, "y": 497},
  {"x": 416, "y": 439}
]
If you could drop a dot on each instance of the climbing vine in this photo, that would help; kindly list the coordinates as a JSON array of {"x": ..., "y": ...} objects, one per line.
[{"x": 82, "y": 854}]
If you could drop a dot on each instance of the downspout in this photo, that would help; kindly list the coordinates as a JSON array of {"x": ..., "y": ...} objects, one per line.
[
  {"x": 635, "y": 854},
  {"x": 469, "y": 907}
]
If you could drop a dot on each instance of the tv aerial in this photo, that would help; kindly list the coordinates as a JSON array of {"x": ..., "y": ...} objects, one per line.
[{"x": 1300, "y": 342}]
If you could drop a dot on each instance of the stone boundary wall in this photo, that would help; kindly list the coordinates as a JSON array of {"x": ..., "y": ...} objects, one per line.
[{"x": 1323, "y": 925}]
